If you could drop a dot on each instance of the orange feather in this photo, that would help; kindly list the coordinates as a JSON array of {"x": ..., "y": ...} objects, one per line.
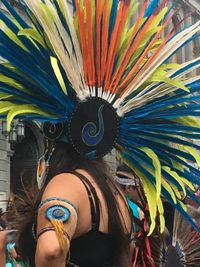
[
  {"x": 113, "y": 45},
  {"x": 118, "y": 29},
  {"x": 90, "y": 44},
  {"x": 136, "y": 66},
  {"x": 104, "y": 41},
  {"x": 126, "y": 57},
  {"x": 80, "y": 16},
  {"x": 98, "y": 42}
]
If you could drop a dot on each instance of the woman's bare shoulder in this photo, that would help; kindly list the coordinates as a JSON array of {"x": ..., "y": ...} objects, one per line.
[
  {"x": 64, "y": 185},
  {"x": 65, "y": 177}
]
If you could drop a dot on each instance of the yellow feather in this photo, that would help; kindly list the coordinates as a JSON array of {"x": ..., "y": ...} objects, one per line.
[
  {"x": 194, "y": 153},
  {"x": 157, "y": 168},
  {"x": 184, "y": 207},
  {"x": 32, "y": 34},
  {"x": 176, "y": 177},
  {"x": 161, "y": 215},
  {"x": 189, "y": 120},
  {"x": 15, "y": 110},
  {"x": 169, "y": 190},
  {"x": 12, "y": 82},
  {"x": 149, "y": 191},
  {"x": 58, "y": 74},
  {"x": 12, "y": 36},
  {"x": 5, "y": 106},
  {"x": 4, "y": 96},
  {"x": 176, "y": 191}
]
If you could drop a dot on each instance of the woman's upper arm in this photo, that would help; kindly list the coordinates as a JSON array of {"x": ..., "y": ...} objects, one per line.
[
  {"x": 3, "y": 235},
  {"x": 58, "y": 214}
]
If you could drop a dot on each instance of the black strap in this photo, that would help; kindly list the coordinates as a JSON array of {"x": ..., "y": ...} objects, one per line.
[{"x": 93, "y": 198}]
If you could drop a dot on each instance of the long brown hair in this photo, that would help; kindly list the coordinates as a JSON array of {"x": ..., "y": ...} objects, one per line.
[{"x": 65, "y": 159}]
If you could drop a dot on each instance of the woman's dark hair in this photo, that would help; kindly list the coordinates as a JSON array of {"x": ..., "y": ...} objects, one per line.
[
  {"x": 65, "y": 159},
  {"x": 2, "y": 221}
]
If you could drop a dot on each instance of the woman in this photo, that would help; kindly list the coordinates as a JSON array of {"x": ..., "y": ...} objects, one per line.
[
  {"x": 108, "y": 86},
  {"x": 128, "y": 182},
  {"x": 98, "y": 230},
  {"x": 7, "y": 246}
]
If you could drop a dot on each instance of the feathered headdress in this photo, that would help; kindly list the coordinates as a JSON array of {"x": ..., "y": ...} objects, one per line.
[
  {"x": 108, "y": 83},
  {"x": 181, "y": 248}
]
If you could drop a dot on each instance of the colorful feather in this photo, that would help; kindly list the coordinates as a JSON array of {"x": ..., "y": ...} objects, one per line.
[{"x": 64, "y": 56}]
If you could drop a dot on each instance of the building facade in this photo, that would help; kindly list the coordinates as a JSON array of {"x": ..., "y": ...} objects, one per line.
[{"x": 18, "y": 162}]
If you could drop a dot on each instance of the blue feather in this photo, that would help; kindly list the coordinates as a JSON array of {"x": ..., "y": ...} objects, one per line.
[
  {"x": 37, "y": 56},
  {"x": 113, "y": 16},
  {"x": 26, "y": 61},
  {"x": 29, "y": 99},
  {"x": 177, "y": 159},
  {"x": 195, "y": 36},
  {"x": 156, "y": 146},
  {"x": 35, "y": 52},
  {"x": 160, "y": 104},
  {"x": 165, "y": 193},
  {"x": 9, "y": 23},
  {"x": 15, "y": 14},
  {"x": 63, "y": 20},
  {"x": 34, "y": 88},
  {"x": 151, "y": 8},
  {"x": 142, "y": 157},
  {"x": 164, "y": 126},
  {"x": 187, "y": 175},
  {"x": 48, "y": 88},
  {"x": 137, "y": 164},
  {"x": 74, "y": 5},
  {"x": 192, "y": 175},
  {"x": 193, "y": 197},
  {"x": 185, "y": 68},
  {"x": 180, "y": 209},
  {"x": 193, "y": 86},
  {"x": 160, "y": 136}
]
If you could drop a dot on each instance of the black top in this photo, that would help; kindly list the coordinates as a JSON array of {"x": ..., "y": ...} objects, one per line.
[{"x": 94, "y": 248}]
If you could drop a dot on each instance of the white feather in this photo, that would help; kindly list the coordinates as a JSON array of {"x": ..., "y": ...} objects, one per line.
[
  {"x": 142, "y": 97},
  {"x": 61, "y": 42},
  {"x": 169, "y": 48}
]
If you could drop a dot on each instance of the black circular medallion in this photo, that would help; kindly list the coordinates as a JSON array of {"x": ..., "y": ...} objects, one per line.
[
  {"x": 93, "y": 128},
  {"x": 53, "y": 131}
]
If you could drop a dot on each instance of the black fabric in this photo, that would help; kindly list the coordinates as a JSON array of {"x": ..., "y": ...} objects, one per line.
[
  {"x": 169, "y": 216},
  {"x": 95, "y": 248},
  {"x": 94, "y": 205}
]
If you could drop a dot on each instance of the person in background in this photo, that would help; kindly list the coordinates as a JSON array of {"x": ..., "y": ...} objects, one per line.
[
  {"x": 8, "y": 253},
  {"x": 129, "y": 183},
  {"x": 3, "y": 239}
]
